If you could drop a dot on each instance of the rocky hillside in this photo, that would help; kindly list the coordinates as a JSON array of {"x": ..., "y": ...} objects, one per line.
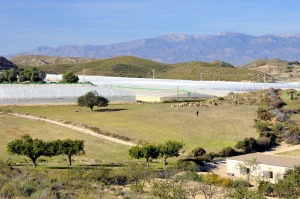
[
  {"x": 6, "y": 64},
  {"x": 36, "y": 60},
  {"x": 234, "y": 48},
  {"x": 281, "y": 70}
]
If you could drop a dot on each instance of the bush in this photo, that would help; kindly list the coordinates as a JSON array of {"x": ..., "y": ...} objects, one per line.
[
  {"x": 8, "y": 190},
  {"x": 208, "y": 157},
  {"x": 187, "y": 165},
  {"x": 70, "y": 77},
  {"x": 266, "y": 188},
  {"x": 263, "y": 126},
  {"x": 248, "y": 145},
  {"x": 239, "y": 182},
  {"x": 263, "y": 114},
  {"x": 227, "y": 152},
  {"x": 199, "y": 151}
]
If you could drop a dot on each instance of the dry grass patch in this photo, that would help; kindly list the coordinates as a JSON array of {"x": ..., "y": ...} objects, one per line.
[
  {"x": 215, "y": 128},
  {"x": 97, "y": 150},
  {"x": 293, "y": 153}
]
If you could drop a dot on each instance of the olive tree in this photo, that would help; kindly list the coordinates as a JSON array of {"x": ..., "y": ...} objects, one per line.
[
  {"x": 170, "y": 149},
  {"x": 146, "y": 151},
  {"x": 70, "y": 147},
  {"x": 26, "y": 146},
  {"x": 92, "y": 99}
]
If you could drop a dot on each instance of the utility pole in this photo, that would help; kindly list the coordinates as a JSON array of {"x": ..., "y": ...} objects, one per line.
[
  {"x": 201, "y": 76},
  {"x": 177, "y": 93},
  {"x": 264, "y": 81},
  {"x": 83, "y": 75},
  {"x": 153, "y": 70}
]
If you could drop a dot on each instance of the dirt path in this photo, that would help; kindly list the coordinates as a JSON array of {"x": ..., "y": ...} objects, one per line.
[
  {"x": 82, "y": 130},
  {"x": 283, "y": 148}
]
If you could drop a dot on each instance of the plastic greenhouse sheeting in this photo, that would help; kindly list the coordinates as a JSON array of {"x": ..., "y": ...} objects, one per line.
[{"x": 57, "y": 93}]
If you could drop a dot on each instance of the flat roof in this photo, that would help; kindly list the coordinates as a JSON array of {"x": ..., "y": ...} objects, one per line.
[{"x": 274, "y": 160}]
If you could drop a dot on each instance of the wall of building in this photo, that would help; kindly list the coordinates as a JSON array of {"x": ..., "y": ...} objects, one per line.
[{"x": 234, "y": 167}]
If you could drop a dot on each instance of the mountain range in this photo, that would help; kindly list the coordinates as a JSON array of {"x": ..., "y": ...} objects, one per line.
[{"x": 234, "y": 48}]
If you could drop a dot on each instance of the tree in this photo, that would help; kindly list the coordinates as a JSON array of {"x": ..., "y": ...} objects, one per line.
[
  {"x": 70, "y": 77},
  {"x": 145, "y": 151},
  {"x": 71, "y": 147},
  {"x": 249, "y": 167},
  {"x": 170, "y": 149},
  {"x": 136, "y": 152},
  {"x": 92, "y": 99},
  {"x": 9, "y": 75},
  {"x": 28, "y": 147},
  {"x": 31, "y": 74},
  {"x": 150, "y": 151}
]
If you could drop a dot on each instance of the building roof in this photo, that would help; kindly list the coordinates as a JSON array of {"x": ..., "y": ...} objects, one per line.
[{"x": 274, "y": 160}]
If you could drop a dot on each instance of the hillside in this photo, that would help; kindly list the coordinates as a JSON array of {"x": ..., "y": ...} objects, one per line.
[
  {"x": 279, "y": 69},
  {"x": 127, "y": 66},
  {"x": 36, "y": 60},
  {"x": 206, "y": 71},
  {"x": 234, "y": 48},
  {"x": 6, "y": 64}
]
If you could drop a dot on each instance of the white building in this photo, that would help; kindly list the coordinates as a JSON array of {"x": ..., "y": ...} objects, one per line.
[{"x": 260, "y": 166}]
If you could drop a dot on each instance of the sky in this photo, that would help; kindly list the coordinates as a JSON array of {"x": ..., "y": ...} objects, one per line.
[{"x": 25, "y": 25}]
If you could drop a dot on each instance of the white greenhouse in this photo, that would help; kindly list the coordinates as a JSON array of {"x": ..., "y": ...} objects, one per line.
[{"x": 18, "y": 94}]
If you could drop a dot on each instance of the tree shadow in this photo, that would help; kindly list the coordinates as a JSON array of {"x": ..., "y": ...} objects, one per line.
[{"x": 110, "y": 110}]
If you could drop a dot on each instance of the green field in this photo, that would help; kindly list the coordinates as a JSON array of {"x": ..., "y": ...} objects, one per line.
[
  {"x": 97, "y": 150},
  {"x": 215, "y": 128}
]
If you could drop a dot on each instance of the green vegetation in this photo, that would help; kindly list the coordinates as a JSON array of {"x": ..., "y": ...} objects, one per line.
[
  {"x": 30, "y": 74},
  {"x": 92, "y": 99},
  {"x": 35, "y": 148},
  {"x": 69, "y": 77},
  {"x": 146, "y": 151},
  {"x": 127, "y": 66}
]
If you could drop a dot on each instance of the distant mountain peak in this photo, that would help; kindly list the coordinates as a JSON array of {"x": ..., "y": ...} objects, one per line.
[{"x": 230, "y": 47}]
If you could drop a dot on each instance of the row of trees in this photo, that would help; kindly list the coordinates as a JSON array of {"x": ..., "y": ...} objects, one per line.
[
  {"x": 147, "y": 151},
  {"x": 22, "y": 75},
  {"x": 32, "y": 74},
  {"x": 35, "y": 148}
]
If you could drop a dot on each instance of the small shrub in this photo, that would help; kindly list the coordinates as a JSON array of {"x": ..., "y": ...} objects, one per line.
[
  {"x": 239, "y": 182},
  {"x": 8, "y": 191},
  {"x": 187, "y": 165},
  {"x": 199, "y": 151},
  {"x": 227, "y": 152}
]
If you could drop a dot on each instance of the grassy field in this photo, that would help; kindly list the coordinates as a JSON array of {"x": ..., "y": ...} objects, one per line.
[
  {"x": 215, "y": 128},
  {"x": 97, "y": 150},
  {"x": 294, "y": 153}
]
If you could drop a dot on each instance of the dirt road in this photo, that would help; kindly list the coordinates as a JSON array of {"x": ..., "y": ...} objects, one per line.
[{"x": 82, "y": 130}]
